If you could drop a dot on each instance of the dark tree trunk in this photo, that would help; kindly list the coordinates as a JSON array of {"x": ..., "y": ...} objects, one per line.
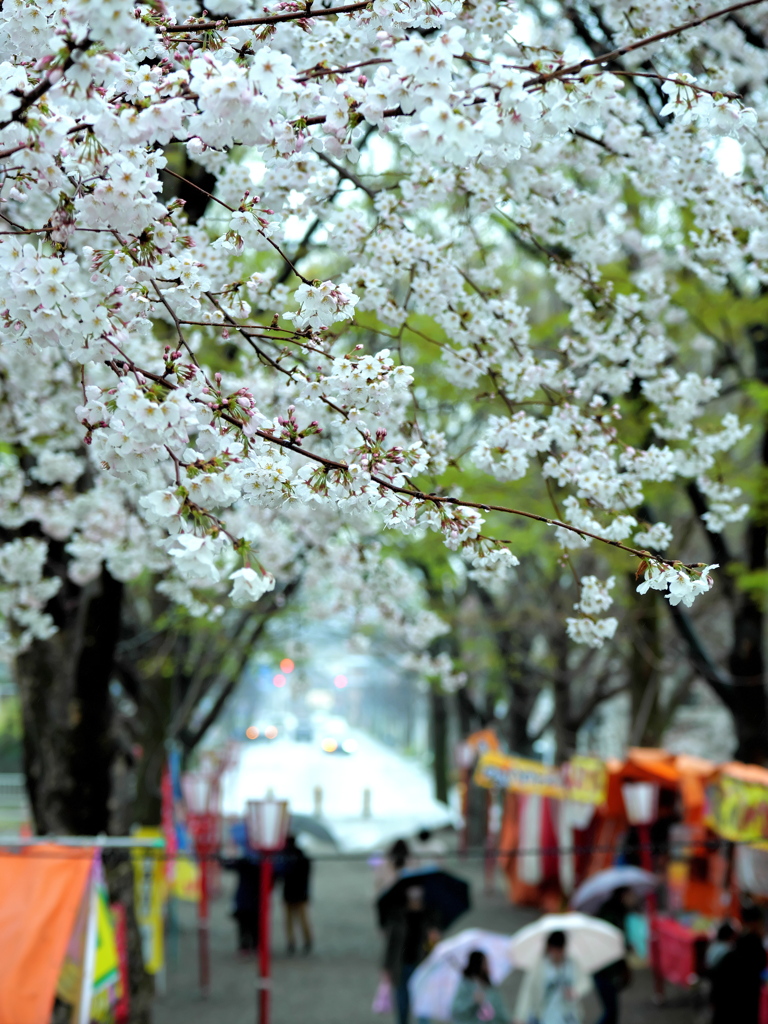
[
  {"x": 67, "y": 710},
  {"x": 747, "y": 662},
  {"x": 154, "y": 715},
  {"x": 520, "y": 707},
  {"x": 520, "y": 694},
  {"x": 69, "y": 748},
  {"x": 562, "y": 718},
  {"x": 439, "y": 731},
  {"x": 646, "y": 712}
]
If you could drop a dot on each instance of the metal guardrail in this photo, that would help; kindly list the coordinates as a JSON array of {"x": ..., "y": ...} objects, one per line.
[{"x": 102, "y": 842}]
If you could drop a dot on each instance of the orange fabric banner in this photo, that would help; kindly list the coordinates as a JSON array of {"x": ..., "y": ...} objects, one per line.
[{"x": 40, "y": 892}]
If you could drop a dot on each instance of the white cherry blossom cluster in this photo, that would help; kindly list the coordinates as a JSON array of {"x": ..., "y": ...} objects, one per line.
[
  {"x": 423, "y": 291},
  {"x": 594, "y": 598},
  {"x": 682, "y": 584}
]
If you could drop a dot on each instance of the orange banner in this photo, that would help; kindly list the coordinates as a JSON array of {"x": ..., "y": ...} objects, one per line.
[{"x": 40, "y": 892}]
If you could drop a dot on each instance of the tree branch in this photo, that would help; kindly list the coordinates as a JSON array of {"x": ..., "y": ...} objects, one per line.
[
  {"x": 270, "y": 19},
  {"x": 720, "y": 551},
  {"x": 719, "y": 681},
  {"x": 606, "y": 58}
]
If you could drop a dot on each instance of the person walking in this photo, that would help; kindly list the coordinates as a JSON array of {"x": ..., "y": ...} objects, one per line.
[
  {"x": 410, "y": 933},
  {"x": 740, "y": 974},
  {"x": 247, "y": 899},
  {"x": 716, "y": 964},
  {"x": 476, "y": 999},
  {"x": 610, "y": 981},
  {"x": 389, "y": 869},
  {"x": 296, "y": 871},
  {"x": 552, "y": 991},
  {"x": 426, "y": 849}
]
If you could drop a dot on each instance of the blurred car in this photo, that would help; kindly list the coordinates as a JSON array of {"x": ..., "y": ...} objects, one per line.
[
  {"x": 304, "y": 732},
  {"x": 335, "y": 745},
  {"x": 262, "y": 731},
  {"x": 336, "y": 738}
]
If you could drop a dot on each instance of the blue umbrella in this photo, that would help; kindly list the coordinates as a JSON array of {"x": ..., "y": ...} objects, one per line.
[{"x": 591, "y": 895}]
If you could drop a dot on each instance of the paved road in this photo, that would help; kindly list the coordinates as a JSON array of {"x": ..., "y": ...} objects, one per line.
[
  {"x": 296, "y": 771},
  {"x": 335, "y": 984}
]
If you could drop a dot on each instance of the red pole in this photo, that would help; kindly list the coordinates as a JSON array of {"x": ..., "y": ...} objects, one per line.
[
  {"x": 202, "y": 925},
  {"x": 265, "y": 888}
]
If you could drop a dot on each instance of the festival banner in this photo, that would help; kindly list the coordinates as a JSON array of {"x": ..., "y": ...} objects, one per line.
[
  {"x": 586, "y": 780},
  {"x": 123, "y": 1006},
  {"x": 582, "y": 779},
  {"x": 502, "y": 771},
  {"x": 150, "y": 890},
  {"x": 101, "y": 985},
  {"x": 738, "y": 810},
  {"x": 182, "y": 872}
]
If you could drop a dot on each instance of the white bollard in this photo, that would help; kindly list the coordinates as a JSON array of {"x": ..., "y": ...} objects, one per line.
[
  {"x": 366, "y": 802},
  {"x": 318, "y": 795}
]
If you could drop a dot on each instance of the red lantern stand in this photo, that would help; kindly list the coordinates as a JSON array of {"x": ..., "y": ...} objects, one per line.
[
  {"x": 202, "y": 798},
  {"x": 217, "y": 764},
  {"x": 204, "y": 831},
  {"x": 267, "y": 823},
  {"x": 641, "y": 803}
]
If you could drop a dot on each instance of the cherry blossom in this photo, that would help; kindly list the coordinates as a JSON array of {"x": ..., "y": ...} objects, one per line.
[{"x": 343, "y": 339}]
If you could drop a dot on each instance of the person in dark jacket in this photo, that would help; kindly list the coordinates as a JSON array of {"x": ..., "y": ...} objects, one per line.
[
  {"x": 296, "y": 871},
  {"x": 737, "y": 979},
  {"x": 614, "y": 977},
  {"x": 247, "y": 899},
  {"x": 717, "y": 952},
  {"x": 410, "y": 933}
]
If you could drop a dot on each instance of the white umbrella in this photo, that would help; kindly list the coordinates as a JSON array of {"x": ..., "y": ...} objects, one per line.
[
  {"x": 591, "y": 942},
  {"x": 591, "y": 895},
  {"x": 434, "y": 983}
]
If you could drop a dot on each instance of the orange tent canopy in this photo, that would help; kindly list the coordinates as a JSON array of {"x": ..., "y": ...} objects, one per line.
[
  {"x": 651, "y": 764},
  {"x": 745, "y": 772},
  {"x": 40, "y": 892},
  {"x": 695, "y": 772},
  {"x": 683, "y": 772}
]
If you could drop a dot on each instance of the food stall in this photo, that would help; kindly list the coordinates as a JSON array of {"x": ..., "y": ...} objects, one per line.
[
  {"x": 546, "y": 822},
  {"x": 715, "y": 857}
]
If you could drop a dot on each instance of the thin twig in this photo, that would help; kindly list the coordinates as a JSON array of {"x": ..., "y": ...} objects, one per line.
[
  {"x": 270, "y": 19},
  {"x": 606, "y": 58}
]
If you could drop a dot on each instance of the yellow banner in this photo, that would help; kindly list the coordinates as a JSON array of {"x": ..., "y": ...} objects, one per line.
[
  {"x": 107, "y": 986},
  {"x": 501, "y": 771},
  {"x": 587, "y": 780},
  {"x": 584, "y": 779},
  {"x": 185, "y": 878},
  {"x": 738, "y": 811},
  {"x": 150, "y": 895}
]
